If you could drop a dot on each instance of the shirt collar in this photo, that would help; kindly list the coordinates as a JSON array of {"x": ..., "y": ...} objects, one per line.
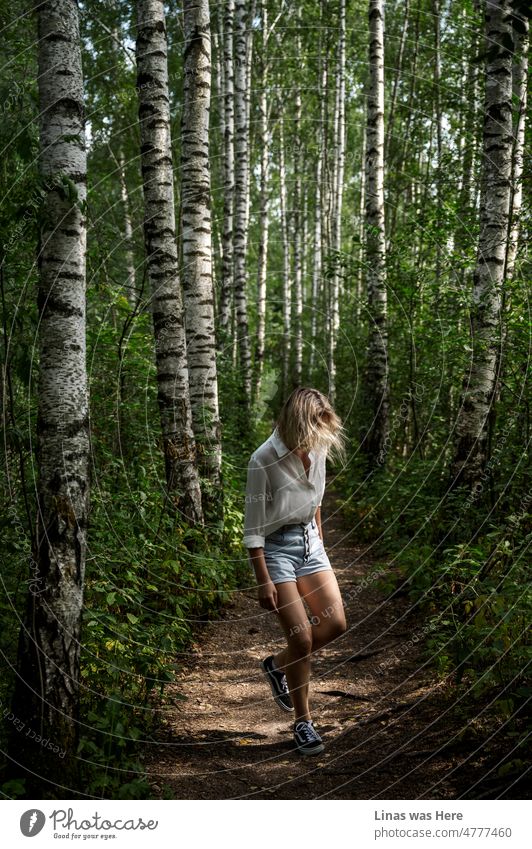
[
  {"x": 278, "y": 444},
  {"x": 281, "y": 448}
]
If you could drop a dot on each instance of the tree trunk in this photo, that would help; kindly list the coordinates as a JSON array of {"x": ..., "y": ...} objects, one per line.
[
  {"x": 338, "y": 186},
  {"x": 242, "y": 21},
  {"x": 519, "y": 87},
  {"x": 226, "y": 287},
  {"x": 376, "y": 383},
  {"x": 131, "y": 291},
  {"x": 437, "y": 176},
  {"x": 46, "y": 697},
  {"x": 264, "y": 138},
  {"x": 479, "y": 384},
  {"x": 159, "y": 234},
  {"x": 287, "y": 283},
  {"x": 297, "y": 325},
  {"x": 361, "y": 233},
  {"x": 197, "y": 243},
  {"x": 318, "y": 213}
]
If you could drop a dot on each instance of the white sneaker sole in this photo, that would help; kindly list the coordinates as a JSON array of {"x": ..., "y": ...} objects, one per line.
[
  {"x": 274, "y": 692},
  {"x": 309, "y": 752}
]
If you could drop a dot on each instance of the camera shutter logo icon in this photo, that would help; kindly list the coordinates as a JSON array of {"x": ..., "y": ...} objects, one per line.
[{"x": 32, "y": 822}]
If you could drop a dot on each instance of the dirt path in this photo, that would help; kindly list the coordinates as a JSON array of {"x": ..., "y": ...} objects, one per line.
[{"x": 388, "y": 724}]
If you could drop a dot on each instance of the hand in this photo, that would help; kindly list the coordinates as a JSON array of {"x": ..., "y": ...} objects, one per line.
[{"x": 268, "y": 596}]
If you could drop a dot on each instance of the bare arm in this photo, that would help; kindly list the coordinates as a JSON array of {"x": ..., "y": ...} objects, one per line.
[
  {"x": 317, "y": 517},
  {"x": 267, "y": 590}
]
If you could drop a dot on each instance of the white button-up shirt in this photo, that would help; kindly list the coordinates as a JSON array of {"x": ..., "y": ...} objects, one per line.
[{"x": 278, "y": 491}]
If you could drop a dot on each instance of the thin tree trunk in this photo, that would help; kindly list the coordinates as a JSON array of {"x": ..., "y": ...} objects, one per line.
[
  {"x": 519, "y": 87},
  {"x": 242, "y": 192},
  {"x": 337, "y": 203},
  {"x": 397, "y": 78},
  {"x": 376, "y": 388},
  {"x": 131, "y": 291},
  {"x": 437, "y": 177},
  {"x": 287, "y": 283},
  {"x": 228, "y": 168},
  {"x": 479, "y": 384},
  {"x": 297, "y": 328},
  {"x": 318, "y": 213},
  {"x": 361, "y": 234},
  {"x": 159, "y": 234},
  {"x": 197, "y": 244},
  {"x": 46, "y": 696},
  {"x": 264, "y": 138}
]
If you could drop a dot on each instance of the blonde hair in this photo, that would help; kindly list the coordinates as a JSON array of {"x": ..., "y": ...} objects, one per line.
[{"x": 308, "y": 421}]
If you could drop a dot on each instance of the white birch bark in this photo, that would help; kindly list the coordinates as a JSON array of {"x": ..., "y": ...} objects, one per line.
[
  {"x": 46, "y": 696},
  {"x": 519, "y": 87},
  {"x": 376, "y": 388},
  {"x": 361, "y": 234},
  {"x": 197, "y": 240},
  {"x": 242, "y": 22},
  {"x": 318, "y": 214},
  {"x": 297, "y": 321},
  {"x": 131, "y": 291},
  {"x": 287, "y": 282},
  {"x": 182, "y": 477},
  {"x": 264, "y": 140},
  {"x": 480, "y": 381},
  {"x": 338, "y": 184},
  {"x": 227, "y": 281}
]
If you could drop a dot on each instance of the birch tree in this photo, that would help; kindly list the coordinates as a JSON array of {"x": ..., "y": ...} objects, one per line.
[
  {"x": 297, "y": 318},
  {"x": 318, "y": 213},
  {"x": 479, "y": 384},
  {"x": 339, "y": 167},
  {"x": 376, "y": 377},
  {"x": 287, "y": 282},
  {"x": 182, "y": 478},
  {"x": 226, "y": 286},
  {"x": 240, "y": 239},
  {"x": 197, "y": 239},
  {"x": 264, "y": 141},
  {"x": 46, "y": 697}
]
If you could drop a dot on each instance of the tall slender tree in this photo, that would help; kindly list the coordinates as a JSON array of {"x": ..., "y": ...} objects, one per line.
[
  {"x": 46, "y": 697},
  {"x": 338, "y": 187},
  {"x": 197, "y": 242},
  {"x": 480, "y": 380},
  {"x": 226, "y": 285},
  {"x": 376, "y": 374},
  {"x": 240, "y": 239},
  {"x": 287, "y": 281},
  {"x": 182, "y": 479},
  {"x": 264, "y": 218}
]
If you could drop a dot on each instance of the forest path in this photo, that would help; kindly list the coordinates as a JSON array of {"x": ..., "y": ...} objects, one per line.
[{"x": 382, "y": 714}]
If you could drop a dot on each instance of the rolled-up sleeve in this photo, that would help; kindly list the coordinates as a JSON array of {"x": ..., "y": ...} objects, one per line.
[{"x": 257, "y": 493}]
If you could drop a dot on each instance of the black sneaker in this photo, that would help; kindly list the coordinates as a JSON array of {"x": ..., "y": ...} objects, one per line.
[
  {"x": 308, "y": 741},
  {"x": 277, "y": 681}
]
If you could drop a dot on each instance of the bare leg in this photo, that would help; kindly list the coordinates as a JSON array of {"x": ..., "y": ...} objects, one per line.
[
  {"x": 294, "y": 660},
  {"x": 320, "y": 591}
]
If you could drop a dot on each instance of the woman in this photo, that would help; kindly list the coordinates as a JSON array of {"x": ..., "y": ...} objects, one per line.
[{"x": 283, "y": 535}]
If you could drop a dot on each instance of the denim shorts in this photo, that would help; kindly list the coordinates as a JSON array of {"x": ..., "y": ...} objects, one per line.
[{"x": 294, "y": 551}]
